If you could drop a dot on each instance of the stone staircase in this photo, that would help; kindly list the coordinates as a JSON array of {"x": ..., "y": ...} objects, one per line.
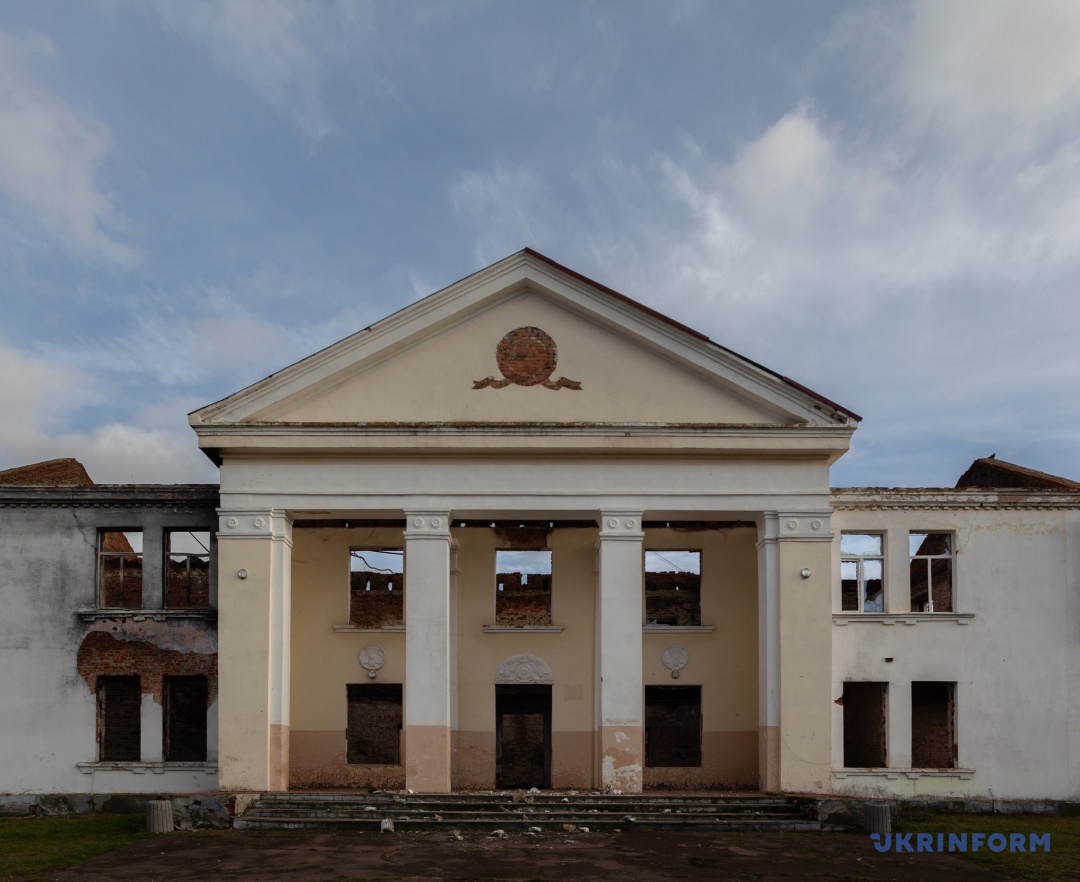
[{"x": 518, "y": 811}]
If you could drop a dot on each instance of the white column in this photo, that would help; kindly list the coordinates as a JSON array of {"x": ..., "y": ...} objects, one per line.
[
  {"x": 428, "y": 612},
  {"x": 768, "y": 653},
  {"x": 619, "y": 617},
  {"x": 254, "y": 604}
]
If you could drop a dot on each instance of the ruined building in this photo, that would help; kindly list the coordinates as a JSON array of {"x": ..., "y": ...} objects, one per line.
[{"x": 529, "y": 532}]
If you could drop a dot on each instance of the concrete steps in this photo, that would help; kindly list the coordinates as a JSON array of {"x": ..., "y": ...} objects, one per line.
[{"x": 519, "y": 811}]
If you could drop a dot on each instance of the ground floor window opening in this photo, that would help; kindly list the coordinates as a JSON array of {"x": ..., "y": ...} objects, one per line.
[
  {"x": 673, "y": 726},
  {"x": 865, "y": 745},
  {"x": 373, "y": 728},
  {"x": 522, "y": 736}
]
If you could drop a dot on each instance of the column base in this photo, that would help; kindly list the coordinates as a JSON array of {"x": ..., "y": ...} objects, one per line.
[
  {"x": 769, "y": 758},
  {"x": 622, "y": 758},
  {"x": 278, "y": 764},
  {"x": 427, "y": 759}
]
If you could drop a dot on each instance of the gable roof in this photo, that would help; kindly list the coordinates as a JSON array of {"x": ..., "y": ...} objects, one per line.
[
  {"x": 532, "y": 271},
  {"x": 993, "y": 473},
  {"x": 51, "y": 472}
]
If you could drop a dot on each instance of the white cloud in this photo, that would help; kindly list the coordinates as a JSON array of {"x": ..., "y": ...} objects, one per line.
[
  {"x": 50, "y": 162},
  {"x": 39, "y": 397},
  {"x": 509, "y": 208},
  {"x": 274, "y": 46}
]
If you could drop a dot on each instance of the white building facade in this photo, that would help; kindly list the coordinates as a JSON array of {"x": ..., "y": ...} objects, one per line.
[{"x": 528, "y": 532}]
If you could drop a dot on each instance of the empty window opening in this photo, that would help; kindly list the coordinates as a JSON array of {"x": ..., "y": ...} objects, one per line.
[
  {"x": 673, "y": 726},
  {"x": 187, "y": 569},
  {"x": 522, "y": 588},
  {"x": 931, "y": 572},
  {"x": 120, "y": 569},
  {"x": 864, "y": 725},
  {"x": 373, "y": 726},
  {"x": 862, "y": 568},
  {"x": 673, "y": 587},
  {"x": 184, "y": 736},
  {"x": 933, "y": 725},
  {"x": 523, "y": 736},
  {"x": 119, "y": 711},
  {"x": 376, "y": 587}
]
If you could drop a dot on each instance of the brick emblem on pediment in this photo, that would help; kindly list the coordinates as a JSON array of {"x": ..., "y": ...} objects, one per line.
[{"x": 527, "y": 357}]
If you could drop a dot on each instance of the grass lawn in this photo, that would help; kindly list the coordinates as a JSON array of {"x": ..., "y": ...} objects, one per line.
[
  {"x": 30, "y": 847},
  {"x": 1060, "y": 864}
]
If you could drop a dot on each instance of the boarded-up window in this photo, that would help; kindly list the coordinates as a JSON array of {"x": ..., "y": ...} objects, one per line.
[
  {"x": 672, "y": 726},
  {"x": 120, "y": 569},
  {"x": 373, "y": 732},
  {"x": 522, "y": 588},
  {"x": 185, "y": 719},
  {"x": 931, "y": 572},
  {"x": 673, "y": 587},
  {"x": 933, "y": 725},
  {"x": 376, "y": 587},
  {"x": 119, "y": 710},
  {"x": 864, "y": 725},
  {"x": 187, "y": 570}
]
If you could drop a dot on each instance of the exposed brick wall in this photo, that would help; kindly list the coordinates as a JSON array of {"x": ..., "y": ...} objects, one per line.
[
  {"x": 932, "y": 715},
  {"x": 522, "y": 754},
  {"x": 119, "y": 718},
  {"x": 373, "y": 733},
  {"x": 379, "y": 606},
  {"x": 103, "y": 655},
  {"x": 673, "y": 726},
  {"x": 120, "y": 577},
  {"x": 52, "y": 473},
  {"x": 520, "y": 604},
  {"x": 185, "y": 719},
  {"x": 673, "y": 598},
  {"x": 864, "y": 725},
  {"x": 187, "y": 582}
]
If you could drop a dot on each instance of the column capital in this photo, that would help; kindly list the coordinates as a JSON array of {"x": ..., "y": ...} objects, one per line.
[
  {"x": 797, "y": 526},
  {"x": 620, "y": 524},
  {"x": 271, "y": 523},
  {"x": 427, "y": 524}
]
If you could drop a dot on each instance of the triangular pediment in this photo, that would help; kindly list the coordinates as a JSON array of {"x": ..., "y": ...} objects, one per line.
[{"x": 525, "y": 341}]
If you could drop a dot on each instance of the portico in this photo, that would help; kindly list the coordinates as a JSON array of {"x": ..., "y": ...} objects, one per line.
[{"x": 605, "y": 429}]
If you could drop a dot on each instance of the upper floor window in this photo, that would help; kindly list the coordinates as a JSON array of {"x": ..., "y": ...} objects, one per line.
[
  {"x": 376, "y": 587},
  {"x": 931, "y": 572},
  {"x": 862, "y": 568},
  {"x": 673, "y": 587},
  {"x": 120, "y": 569},
  {"x": 522, "y": 588},
  {"x": 187, "y": 570}
]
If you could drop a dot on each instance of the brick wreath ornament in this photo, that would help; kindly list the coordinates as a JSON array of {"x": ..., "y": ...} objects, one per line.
[{"x": 527, "y": 357}]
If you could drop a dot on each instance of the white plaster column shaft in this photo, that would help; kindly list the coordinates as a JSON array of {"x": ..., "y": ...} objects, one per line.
[
  {"x": 768, "y": 653},
  {"x": 619, "y": 617},
  {"x": 428, "y": 613}
]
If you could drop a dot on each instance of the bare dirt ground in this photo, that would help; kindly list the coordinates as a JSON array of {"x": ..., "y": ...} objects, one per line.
[{"x": 628, "y": 856}]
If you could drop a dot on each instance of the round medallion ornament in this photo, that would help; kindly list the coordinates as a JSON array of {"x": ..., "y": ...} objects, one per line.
[
  {"x": 675, "y": 658},
  {"x": 527, "y": 357},
  {"x": 372, "y": 658}
]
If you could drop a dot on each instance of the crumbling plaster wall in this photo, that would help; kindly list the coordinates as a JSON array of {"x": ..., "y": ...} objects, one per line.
[
  {"x": 1015, "y": 664},
  {"x": 48, "y": 575}
]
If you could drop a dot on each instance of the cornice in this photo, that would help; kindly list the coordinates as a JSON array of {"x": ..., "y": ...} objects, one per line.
[
  {"x": 110, "y": 495},
  {"x": 921, "y": 498}
]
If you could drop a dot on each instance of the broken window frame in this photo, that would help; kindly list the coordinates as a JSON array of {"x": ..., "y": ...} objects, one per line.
[
  {"x": 948, "y": 555},
  {"x": 695, "y": 613},
  {"x": 173, "y": 556},
  {"x": 104, "y": 557},
  {"x": 397, "y": 589},
  {"x": 500, "y": 616},
  {"x": 860, "y": 560}
]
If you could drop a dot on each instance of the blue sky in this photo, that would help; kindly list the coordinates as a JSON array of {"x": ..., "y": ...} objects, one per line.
[{"x": 881, "y": 201}]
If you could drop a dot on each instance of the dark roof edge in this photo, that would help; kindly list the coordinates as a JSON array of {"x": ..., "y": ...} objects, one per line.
[{"x": 138, "y": 494}]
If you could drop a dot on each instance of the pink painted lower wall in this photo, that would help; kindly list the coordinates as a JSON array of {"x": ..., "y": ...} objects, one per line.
[
  {"x": 317, "y": 762},
  {"x": 729, "y": 761}
]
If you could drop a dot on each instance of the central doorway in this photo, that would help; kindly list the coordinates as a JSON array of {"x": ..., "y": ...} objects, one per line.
[{"x": 522, "y": 736}]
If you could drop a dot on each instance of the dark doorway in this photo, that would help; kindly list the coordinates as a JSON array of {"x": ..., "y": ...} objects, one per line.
[{"x": 522, "y": 736}]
